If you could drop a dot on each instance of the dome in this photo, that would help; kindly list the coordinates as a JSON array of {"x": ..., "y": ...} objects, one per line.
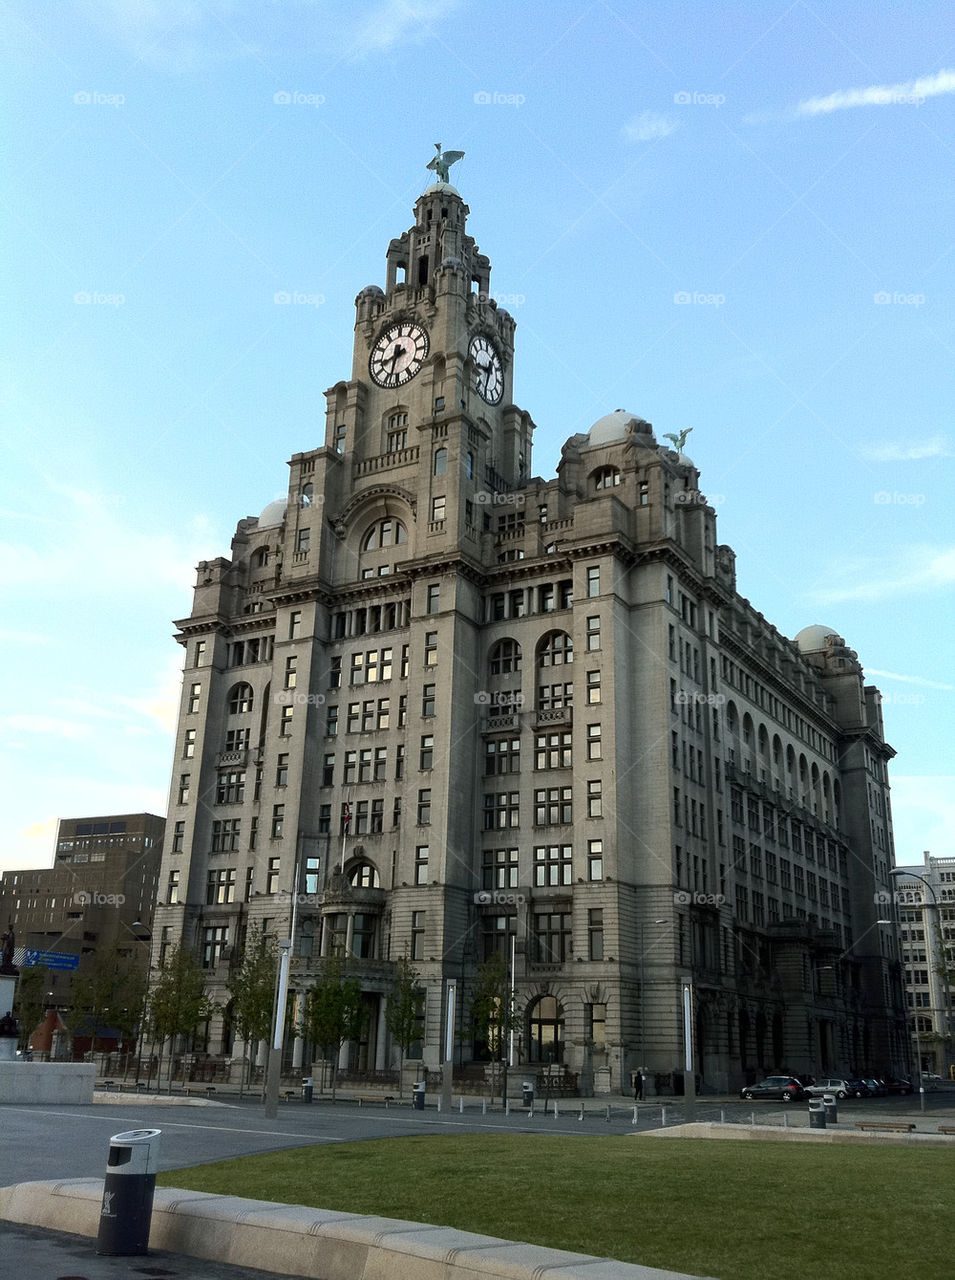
[
  {"x": 273, "y": 514},
  {"x": 616, "y": 426},
  {"x": 812, "y": 639},
  {"x": 370, "y": 291}
]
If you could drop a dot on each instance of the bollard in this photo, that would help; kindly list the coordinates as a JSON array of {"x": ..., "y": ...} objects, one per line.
[
  {"x": 634, "y": 1121},
  {"x": 128, "y": 1193},
  {"x": 484, "y": 1106},
  {"x": 581, "y": 1116},
  {"x": 785, "y": 1119},
  {"x": 817, "y": 1113},
  {"x": 527, "y": 1095},
  {"x": 608, "y": 1115},
  {"x": 417, "y": 1095},
  {"x": 308, "y": 1088},
  {"x": 722, "y": 1116},
  {"x": 832, "y": 1108},
  {"x": 663, "y": 1117},
  {"x": 461, "y": 1105},
  {"x": 556, "y": 1113}
]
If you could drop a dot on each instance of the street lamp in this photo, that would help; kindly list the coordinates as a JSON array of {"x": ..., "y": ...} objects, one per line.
[
  {"x": 918, "y": 1042},
  {"x": 140, "y": 1034},
  {"x": 938, "y": 951},
  {"x": 643, "y": 992}
]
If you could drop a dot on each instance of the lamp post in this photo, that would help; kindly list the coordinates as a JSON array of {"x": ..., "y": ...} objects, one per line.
[
  {"x": 140, "y": 1034},
  {"x": 643, "y": 993},
  {"x": 938, "y": 953}
]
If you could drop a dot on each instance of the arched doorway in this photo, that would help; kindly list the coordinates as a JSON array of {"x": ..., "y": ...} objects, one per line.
[{"x": 545, "y": 1030}]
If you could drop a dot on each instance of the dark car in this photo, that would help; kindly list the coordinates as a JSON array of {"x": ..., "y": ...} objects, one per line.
[
  {"x": 876, "y": 1087},
  {"x": 780, "y": 1088},
  {"x": 896, "y": 1085}
]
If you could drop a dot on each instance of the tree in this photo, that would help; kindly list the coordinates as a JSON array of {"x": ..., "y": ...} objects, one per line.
[
  {"x": 252, "y": 987},
  {"x": 108, "y": 994},
  {"x": 334, "y": 1012},
  {"x": 29, "y": 1002},
  {"x": 403, "y": 1014},
  {"x": 178, "y": 1000},
  {"x": 489, "y": 1006}
]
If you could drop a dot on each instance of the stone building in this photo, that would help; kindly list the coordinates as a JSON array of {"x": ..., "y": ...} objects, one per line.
[
  {"x": 925, "y": 900},
  {"x": 447, "y": 703}
]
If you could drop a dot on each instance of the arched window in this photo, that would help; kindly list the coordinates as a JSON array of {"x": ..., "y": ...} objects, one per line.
[
  {"x": 555, "y": 649},
  {"x": 440, "y": 462},
  {"x": 364, "y": 876},
  {"x": 606, "y": 478},
  {"x": 260, "y": 558},
  {"x": 308, "y": 495},
  {"x": 505, "y": 658},
  {"x": 240, "y": 699},
  {"x": 545, "y": 1031},
  {"x": 384, "y": 533}
]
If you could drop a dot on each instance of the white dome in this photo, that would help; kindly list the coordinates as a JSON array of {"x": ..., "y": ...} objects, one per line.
[
  {"x": 812, "y": 639},
  {"x": 273, "y": 514},
  {"x": 616, "y": 426}
]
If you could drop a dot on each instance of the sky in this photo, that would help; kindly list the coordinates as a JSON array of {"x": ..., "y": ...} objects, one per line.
[{"x": 730, "y": 218}]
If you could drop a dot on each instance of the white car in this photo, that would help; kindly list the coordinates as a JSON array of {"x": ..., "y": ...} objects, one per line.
[{"x": 839, "y": 1087}]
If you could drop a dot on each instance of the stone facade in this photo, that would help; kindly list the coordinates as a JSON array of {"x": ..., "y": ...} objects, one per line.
[{"x": 446, "y": 702}]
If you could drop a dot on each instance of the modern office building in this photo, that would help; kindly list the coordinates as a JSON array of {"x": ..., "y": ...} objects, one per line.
[
  {"x": 450, "y": 703},
  {"x": 925, "y": 895}
]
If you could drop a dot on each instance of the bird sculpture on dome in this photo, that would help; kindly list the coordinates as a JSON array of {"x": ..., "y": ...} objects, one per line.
[
  {"x": 442, "y": 162},
  {"x": 678, "y": 441}
]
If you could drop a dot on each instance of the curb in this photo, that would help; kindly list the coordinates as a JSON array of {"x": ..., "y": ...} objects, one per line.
[
  {"x": 301, "y": 1241},
  {"x": 773, "y": 1133}
]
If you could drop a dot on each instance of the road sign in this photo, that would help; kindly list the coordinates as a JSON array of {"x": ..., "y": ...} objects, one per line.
[{"x": 51, "y": 959}]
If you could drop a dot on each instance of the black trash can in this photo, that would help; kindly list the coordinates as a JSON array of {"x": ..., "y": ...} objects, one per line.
[
  {"x": 308, "y": 1088},
  {"x": 527, "y": 1092},
  {"x": 128, "y": 1193},
  {"x": 417, "y": 1095},
  {"x": 817, "y": 1113},
  {"x": 832, "y": 1108}
]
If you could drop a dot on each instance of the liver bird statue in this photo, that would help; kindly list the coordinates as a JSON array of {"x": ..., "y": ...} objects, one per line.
[
  {"x": 678, "y": 441},
  {"x": 442, "y": 162}
]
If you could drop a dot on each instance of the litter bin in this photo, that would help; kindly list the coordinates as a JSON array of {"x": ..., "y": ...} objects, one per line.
[
  {"x": 308, "y": 1088},
  {"x": 832, "y": 1108},
  {"x": 128, "y": 1193},
  {"x": 417, "y": 1095},
  {"x": 817, "y": 1113},
  {"x": 527, "y": 1090}
]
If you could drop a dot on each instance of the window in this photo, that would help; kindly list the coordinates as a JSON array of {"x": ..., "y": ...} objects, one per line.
[
  {"x": 335, "y": 673},
  {"x": 184, "y": 788},
  {"x": 195, "y": 697},
  {"x": 220, "y": 886},
  {"x": 552, "y": 751},
  {"x": 644, "y": 493},
  {"x": 595, "y": 859},
  {"x": 178, "y": 836},
  {"x": 593, "y": 634},
  {"x": 172, "y": 889},
  {"x": 502, "y": 755},
  {"x": 595, "y": 933},
  {"x": 440, "y": 462},
  {"x": 417, "y": 935},
  {"x": 290, "y": 672},
  {"x": 285, "y": 721},
  {"x": 307, "y": 495},
  {"x": 281, "y": 770},
  {"x": 433, "y": 600},
  {"x": 594, "y": 745},
  {"x": 397, "y": 437},
  {"x": 556, "y": 649},
  {"x": 199, "y": 653},
  {"x": 505, "y": 658},
  {"x": 240, "y": 699},
  {"x": 294, "y": 624},
  {"x": 438, "y": 511},
  {"x": 499, "y": 869},
  {"x": 421, "y": 864},
  {"x": 384, "y": 533},
  {"x": 595, "y": 799},
  {"x": 593, "y": 581},
  {"x": 501, "y": 810},
  {"x": 430, "y": 648},
  {"x": 593, "y": 688},
  {"x": 428, "y": 699},
  {"x": 214, "y": 941},
  {"x": 225, "y": 835},
  {"x": 278, "y": 821},
  {"x": 230, "y": 786},
  {"x": 381, "y": 764},
  {"x": 253, "y": 834},
  {"x": 272, "y": 875},
  {"x": 302, "y": 539},
  {"x": 553, "y": 805},
  {"x": 553, "y": 865},
  {"x": 189, "y": 744},
  {"x": 606, "y": 478},
  {"x": 424, "y": 807},
  {"x": 237, "y": 740},
  {"x": 426, "y": 760},
  {"x": 555, "y": 697},
  {"x": 552, "y": 936},
  {"x": 331, "y": 722}
]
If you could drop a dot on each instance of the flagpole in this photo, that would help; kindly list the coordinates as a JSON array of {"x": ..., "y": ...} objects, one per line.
[{"x": 345, "y": 825}]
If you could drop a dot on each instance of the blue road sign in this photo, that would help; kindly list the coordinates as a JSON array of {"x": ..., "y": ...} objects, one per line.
[{"x": 51, "y": 959}]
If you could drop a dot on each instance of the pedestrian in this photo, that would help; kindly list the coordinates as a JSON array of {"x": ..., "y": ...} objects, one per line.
[{"x": 638, "y": 1087}]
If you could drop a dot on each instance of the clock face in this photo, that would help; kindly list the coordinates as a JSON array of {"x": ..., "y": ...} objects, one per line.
[
  {"x": 488, "y": 369},
  {"x": 398, "y": 354}
]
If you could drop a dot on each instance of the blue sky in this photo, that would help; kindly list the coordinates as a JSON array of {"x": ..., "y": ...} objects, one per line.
[{"x": 731, "y": 218}]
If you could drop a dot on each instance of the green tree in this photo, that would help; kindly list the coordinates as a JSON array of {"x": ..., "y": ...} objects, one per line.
[
  {"x": 29, "y": 1002},
  {"x": 107, "y": 993},
  {"x": 178, "y": 1001},
  {"x": 489, "y": 1007},
  {"x": 252, "y": 987},
  {"x": 334, "y": 1012},
  {"x": 402, "y": 1016}
]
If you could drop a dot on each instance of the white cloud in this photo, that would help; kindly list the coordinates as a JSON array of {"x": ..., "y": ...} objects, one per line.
[
  {"x": 648, "y": 126},
  {"x": 49, "y": 726},
  {"x": 918, "y": 571},
  {"x": 911, "y": 93},
  {"x": 919, "y": 680},
  {"x": 933, "y": 447},
  {"x": 394, "y": 21}
]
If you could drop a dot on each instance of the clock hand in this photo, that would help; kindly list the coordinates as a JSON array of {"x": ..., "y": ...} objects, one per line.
[{"x": 399, "y": 351}]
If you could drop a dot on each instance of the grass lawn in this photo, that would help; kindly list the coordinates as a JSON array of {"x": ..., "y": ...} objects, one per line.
[{"x": 733, "y": 1210}]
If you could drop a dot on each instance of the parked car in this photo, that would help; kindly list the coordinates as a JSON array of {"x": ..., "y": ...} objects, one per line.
[
  {"x": 894, "y": 1084},
  {"x": 931, "y": 1079},
  {"x": 838, "y": 1086},
  {"x": 780, "y": 1088},
  {"x": 862, "y": 1088},
  {"x": 876, "y": 1088}
]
